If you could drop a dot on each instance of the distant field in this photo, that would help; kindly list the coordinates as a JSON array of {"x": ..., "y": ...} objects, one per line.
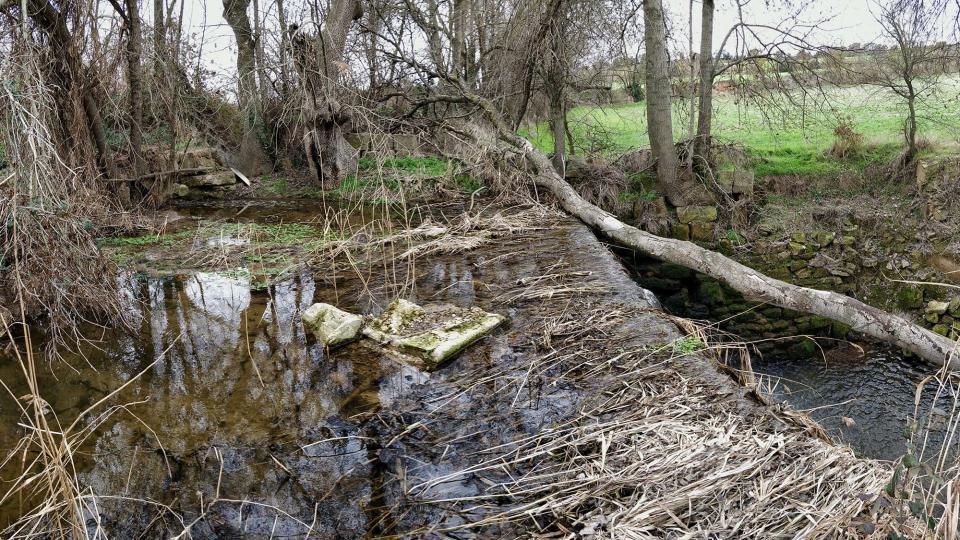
[{"x": 791, "y": 138}]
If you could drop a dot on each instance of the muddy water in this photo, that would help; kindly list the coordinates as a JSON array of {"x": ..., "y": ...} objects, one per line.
[{"x": 235, "y": 400}]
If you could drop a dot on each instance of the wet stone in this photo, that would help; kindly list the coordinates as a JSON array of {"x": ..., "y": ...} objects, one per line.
[
  {"x": 215, "y": 179},
  {"x": 433, "y": 333},
  {"x": 332, "y": 326},
  {"x": 689, "y": 214}
]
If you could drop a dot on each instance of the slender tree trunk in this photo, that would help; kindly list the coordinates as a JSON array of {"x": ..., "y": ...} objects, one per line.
[
  {"x": 159, "y": 39},
  {"x": 692, "y": 88},
  {"x": 659, "y": 93},
  {"x": 458, "y": 40},
  {"x": 372, "y": 44},
  {"x": 135, "y": 82},
  {"x": 262, "y": 77},
  {"x": 705, "y": 114},
  {"x": 284, "y": 48},
  {"x": 558, "y": 121},
  {"x": 911, "y": 129}
]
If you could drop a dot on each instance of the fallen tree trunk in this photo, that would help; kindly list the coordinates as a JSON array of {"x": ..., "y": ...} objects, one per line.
[{"x": 756, "y": 286}]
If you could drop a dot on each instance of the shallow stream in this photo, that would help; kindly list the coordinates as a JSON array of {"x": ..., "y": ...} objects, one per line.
[
  {"x": 863, "y": 393},
  {"x": 235, "y": 400}
]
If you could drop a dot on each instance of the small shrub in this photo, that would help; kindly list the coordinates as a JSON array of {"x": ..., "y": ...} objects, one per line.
[{"x": 847, "y": 141}]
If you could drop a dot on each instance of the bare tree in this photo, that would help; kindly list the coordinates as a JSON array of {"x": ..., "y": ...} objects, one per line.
[
  {"x": 705, "y": 109},
  {"x": 912, "y": 68},
  {"x": 250, "y": 157}
]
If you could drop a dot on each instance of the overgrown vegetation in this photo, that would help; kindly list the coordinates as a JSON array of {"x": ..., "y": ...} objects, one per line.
[{"x": 791, "y": 141}]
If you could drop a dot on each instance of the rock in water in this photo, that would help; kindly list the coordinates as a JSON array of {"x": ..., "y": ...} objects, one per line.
[
  {"x": 434, "y": 333},
  {"x": 332, "y": 326},
  {"x": 214, "y": 179}
]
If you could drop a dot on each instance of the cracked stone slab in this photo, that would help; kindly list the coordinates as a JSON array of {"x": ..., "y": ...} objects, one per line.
[{"x": 434, "y": 333}]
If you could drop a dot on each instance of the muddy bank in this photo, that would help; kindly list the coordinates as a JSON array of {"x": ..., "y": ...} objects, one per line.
[{"x": 243, "y": 425}]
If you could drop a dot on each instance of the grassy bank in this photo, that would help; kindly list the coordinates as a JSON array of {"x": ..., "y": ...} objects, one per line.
[{"x": 789, "y": 138}]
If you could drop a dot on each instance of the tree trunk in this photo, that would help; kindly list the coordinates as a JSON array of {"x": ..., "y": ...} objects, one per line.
[
  {"x": 659, "y": 120},
  {"x": 52, "y": 21},
  {"x": 159, "y": 37},
  {"x": 250, "y": 157},
  {"x": 262, "y": 77},
  {"x": 457, "y": 41},
  {"x": 705, "y": 114},
  {"x": 911, "y": 125},
  {"x": 135, "y": 83},
  {"x": 558, "y": 121},
  {"x": 752, "y": 284},
  {"x": 330, "y": 156},
  {"x": 284, "y": 47},
  {"x": 692, "y": 89}
]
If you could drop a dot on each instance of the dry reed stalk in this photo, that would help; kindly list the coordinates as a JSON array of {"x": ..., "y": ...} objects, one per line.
[
  {"x": 657, "y": 452},
  {"x": 49, "y": 212}
]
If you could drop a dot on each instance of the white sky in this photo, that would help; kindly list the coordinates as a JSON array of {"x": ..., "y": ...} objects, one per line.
[{"x": 850, "y": 21}]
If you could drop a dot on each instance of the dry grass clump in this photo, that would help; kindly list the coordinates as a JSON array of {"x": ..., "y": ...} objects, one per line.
[
  {"x": 390, "y": 248},
  {"x": 924, "y": 490},
  {"x": 658, "y": 451},
  {"x": 48, "y": 261}
]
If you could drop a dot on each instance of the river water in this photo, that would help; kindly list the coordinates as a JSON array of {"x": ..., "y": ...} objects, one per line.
[
  {"x": 863, "y": 393},
  {"x": 250, "y": 407},
  {"x": 233, "y": 397}
]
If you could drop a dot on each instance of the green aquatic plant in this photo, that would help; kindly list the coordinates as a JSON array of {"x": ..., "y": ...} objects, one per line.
[{"x": 688, "y": 345}]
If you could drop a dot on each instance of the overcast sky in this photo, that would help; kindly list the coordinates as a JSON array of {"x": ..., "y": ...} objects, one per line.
[{"x": 848, "y": 21}]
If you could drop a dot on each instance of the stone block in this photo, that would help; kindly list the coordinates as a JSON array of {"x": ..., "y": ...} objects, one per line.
[
  {"x": 702, "y": 232},
  {"x": 434, "y": 333},
  {"x": 332, "y": 326},
  {"x": 214, "y": 179},
  {"x": 689, "y": 214},
  {"x": 680, "y": 231}
]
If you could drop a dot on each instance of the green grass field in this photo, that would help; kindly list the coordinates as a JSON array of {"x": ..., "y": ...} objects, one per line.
[{"x": 792, "y": 138}]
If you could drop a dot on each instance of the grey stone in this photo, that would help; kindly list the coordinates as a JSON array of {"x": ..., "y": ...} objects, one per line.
[
  {"x": 434, "y": 333},
  {"x": 214, "y": 179},
  {"x": 936, "y": 307},
  {"x": 332, "y": 326}
]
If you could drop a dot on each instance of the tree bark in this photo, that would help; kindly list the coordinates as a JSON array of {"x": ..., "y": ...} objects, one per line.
[
  {"x": 659, "y": 94},
  {"x": 135, "y": 82},
  {"x": 262, "y": 77},
  {"x": 330, "y": 156},
  {"x": 159, "y": 37},
  {"x": 705, "y": 114},
  {"x": 752, "y": 284},
  {"x": 53, "y": 23},
  {"x": 250, "y": 157},
  {"x": 558, "y": 122},
  {"x": 284, "y": 47}
]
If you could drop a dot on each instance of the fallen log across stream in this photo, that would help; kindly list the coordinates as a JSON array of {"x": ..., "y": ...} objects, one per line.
[{"x": 861, "y": 317}]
